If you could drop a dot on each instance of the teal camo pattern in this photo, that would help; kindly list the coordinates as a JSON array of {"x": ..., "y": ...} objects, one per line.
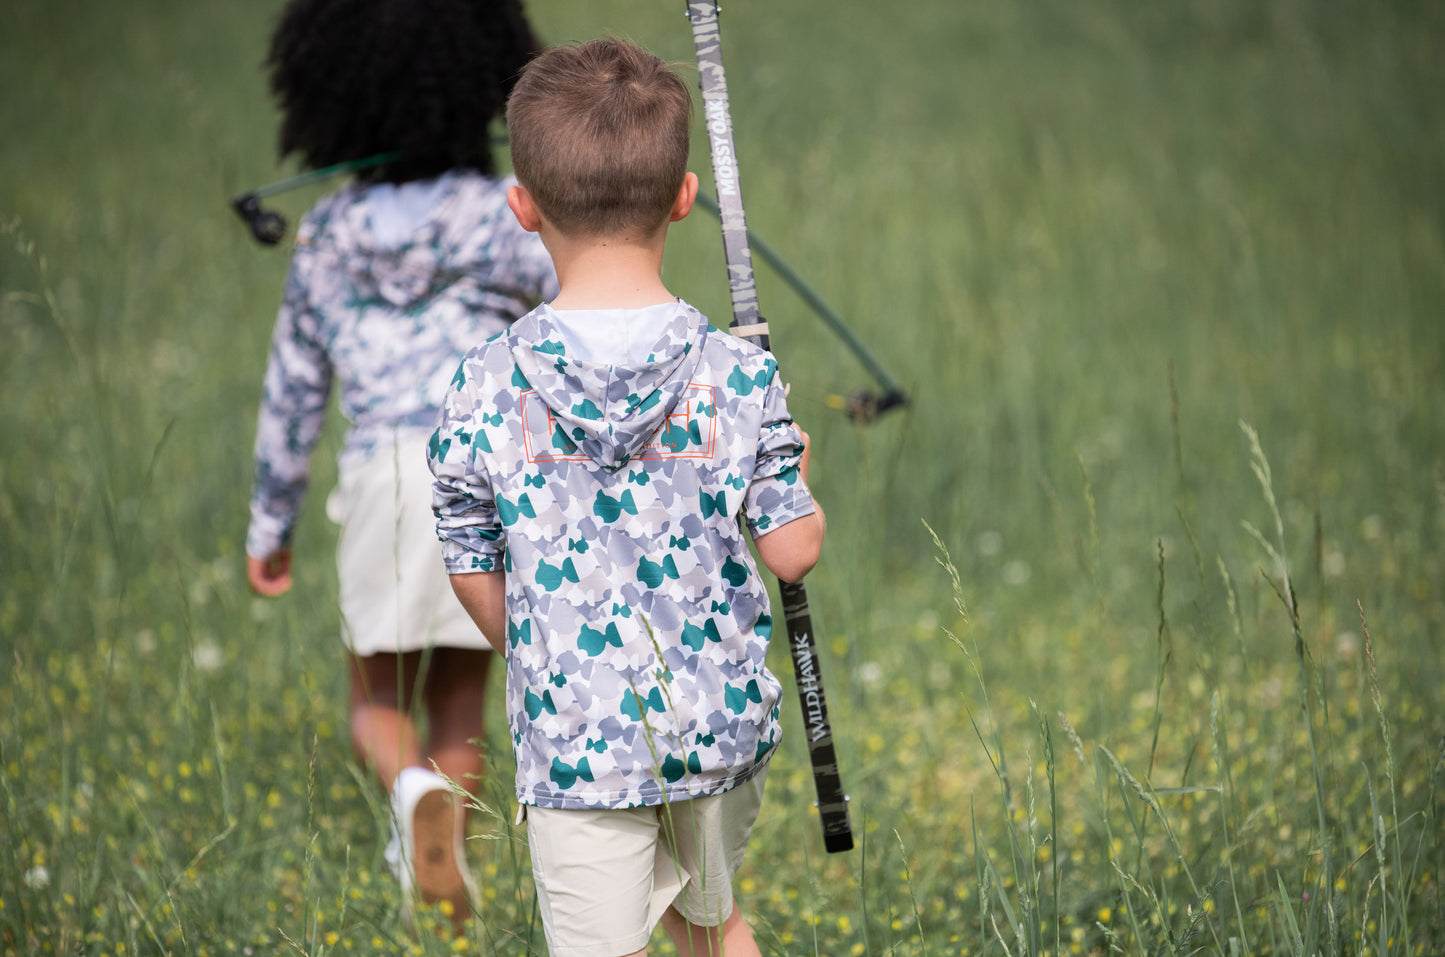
[
  {"x": 613, "y": 498},
  {"x": 387, "y": 320}
]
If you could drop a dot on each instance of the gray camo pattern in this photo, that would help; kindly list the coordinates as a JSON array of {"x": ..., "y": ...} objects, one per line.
[
  {"x": 613, "y": 498},
  {"x": 386, "y": 321}
]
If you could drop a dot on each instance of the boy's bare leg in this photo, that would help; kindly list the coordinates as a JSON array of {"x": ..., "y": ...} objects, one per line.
[
  {"x": 734, "y": 938},
  {"x": 382, "y": 730}
]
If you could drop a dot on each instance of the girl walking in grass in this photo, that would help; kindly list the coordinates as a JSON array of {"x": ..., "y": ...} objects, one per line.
[{"x": 393, "y": 278}]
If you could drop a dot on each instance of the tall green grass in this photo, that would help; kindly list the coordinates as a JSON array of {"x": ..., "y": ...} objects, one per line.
[{"x": 1159, "y": 674}]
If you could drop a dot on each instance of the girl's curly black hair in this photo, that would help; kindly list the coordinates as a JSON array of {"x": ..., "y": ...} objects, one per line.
[{"x": 355, "y": 78}]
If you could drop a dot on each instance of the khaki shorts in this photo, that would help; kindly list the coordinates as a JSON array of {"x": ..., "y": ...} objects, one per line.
[
  {"x": 394, "y": 592},
  {"x": 605, "y": 878}
]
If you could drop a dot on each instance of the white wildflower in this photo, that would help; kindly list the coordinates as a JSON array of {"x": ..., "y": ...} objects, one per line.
[{"x": 207, "y": 655}]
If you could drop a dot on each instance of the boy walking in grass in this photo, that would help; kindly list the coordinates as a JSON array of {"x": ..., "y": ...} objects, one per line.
[{"x": 594, "y": 465}]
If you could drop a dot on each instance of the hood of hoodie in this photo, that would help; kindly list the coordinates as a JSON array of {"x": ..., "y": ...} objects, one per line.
[
  {"x": 609, "y": 410},
  {"x": 405, "y": 244}
]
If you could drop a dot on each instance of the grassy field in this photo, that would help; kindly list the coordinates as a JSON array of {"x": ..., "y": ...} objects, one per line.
[{"x": 1131, "y": 620}]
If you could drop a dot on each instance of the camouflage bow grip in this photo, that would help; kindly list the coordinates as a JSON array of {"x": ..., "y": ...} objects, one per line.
[{"x": 748, "y": 323}]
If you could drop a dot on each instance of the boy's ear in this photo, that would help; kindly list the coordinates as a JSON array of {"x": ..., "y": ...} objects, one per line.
[
  {"x": 686, "y": 196},
  {"x": 522, "y": 206}
]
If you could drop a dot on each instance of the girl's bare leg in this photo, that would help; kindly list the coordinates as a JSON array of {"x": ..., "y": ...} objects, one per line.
[
  {"x": 385, "y": 735},
  {"x": 456, "y": 682},
  {"x": 383, "y": 732}
]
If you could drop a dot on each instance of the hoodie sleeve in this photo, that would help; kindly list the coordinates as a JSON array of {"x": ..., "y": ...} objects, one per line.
[
  {"x": 293, "y": 410},
  {"x": 466, "y": 511},
  {"x": 777, "y": 494}
]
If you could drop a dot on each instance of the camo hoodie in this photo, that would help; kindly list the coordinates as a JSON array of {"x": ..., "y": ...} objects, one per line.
[
  {"x": 613, "y": 497},
  {"x": 388, "y": 288}
]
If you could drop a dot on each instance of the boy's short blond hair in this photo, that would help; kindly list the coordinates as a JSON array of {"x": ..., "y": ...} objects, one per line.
[{"x": 599, "y": 135}]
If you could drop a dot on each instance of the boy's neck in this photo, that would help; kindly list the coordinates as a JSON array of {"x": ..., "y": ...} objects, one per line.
[{"x": 608, "y": 272}]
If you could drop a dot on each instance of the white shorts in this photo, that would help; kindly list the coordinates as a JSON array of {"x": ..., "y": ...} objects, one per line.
[
  {"x": 395, "y": 594},
  {"x": 605, "y": 878}
]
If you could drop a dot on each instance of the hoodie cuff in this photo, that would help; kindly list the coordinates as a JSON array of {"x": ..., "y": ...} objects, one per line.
[{"x": 777, "y": 500}]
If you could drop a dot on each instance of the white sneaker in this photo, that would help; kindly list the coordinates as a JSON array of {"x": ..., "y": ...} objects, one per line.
[{"x": 427, "y": 853}]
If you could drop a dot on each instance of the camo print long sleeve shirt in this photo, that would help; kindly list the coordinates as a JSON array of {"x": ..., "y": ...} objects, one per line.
[
  {"x": 613, "y": 497},
  {"x": 386, "y": 312}
]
